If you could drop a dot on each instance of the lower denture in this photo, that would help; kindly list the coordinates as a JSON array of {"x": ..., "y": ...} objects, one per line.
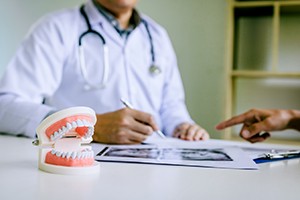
[{"x": 69, "y": 162}]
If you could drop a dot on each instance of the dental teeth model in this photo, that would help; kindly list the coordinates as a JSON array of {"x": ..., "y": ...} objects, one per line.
[{"x": 63, "y": 138}]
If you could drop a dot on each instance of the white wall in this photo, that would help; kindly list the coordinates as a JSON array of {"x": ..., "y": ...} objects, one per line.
[
  {"x": 196, "y": 27},
  {"x": 16, "y": 16},
  {"x": 197, "y": 30}
]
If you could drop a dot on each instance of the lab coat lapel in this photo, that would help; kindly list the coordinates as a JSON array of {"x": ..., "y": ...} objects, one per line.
[
  {"x": 110, "y": 32},
  {"x": 102, "y": 25}
]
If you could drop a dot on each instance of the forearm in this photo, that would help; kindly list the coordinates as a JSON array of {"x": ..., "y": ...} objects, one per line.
[
  {"x": 19, "y": 117},
  {"x": 174, "y": 115}
]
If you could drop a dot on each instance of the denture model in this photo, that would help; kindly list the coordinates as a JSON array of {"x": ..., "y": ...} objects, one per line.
[{"x": 63, "y": 138}]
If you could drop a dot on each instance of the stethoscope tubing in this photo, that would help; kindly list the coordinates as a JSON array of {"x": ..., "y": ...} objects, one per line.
[{"x": 89, "y": 85}]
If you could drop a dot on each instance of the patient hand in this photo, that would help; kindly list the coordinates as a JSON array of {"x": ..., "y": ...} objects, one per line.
[
  {"x": 125, "y": 126},
  {"x": 258, "y": 122},
  {"x": 191, "y": 132}
]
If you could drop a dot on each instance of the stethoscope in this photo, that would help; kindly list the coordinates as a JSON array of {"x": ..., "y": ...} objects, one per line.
[{"x": 153, "y": 69}]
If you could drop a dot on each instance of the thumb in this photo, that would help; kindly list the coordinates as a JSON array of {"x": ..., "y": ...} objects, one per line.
[{"x": 253, "y": 129}]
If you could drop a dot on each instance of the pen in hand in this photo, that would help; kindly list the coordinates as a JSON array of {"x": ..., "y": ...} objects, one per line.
[{"x": 128, "y": 105}]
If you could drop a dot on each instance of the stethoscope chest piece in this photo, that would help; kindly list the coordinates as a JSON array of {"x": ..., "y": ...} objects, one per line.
[{"x": 154, "y": 70}]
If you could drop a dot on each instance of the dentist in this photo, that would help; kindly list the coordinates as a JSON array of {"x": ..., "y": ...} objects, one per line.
[{"x": 94, "y": 56}]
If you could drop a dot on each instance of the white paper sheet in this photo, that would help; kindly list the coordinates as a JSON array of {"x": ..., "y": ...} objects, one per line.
[{"x": 177, "y": 152}]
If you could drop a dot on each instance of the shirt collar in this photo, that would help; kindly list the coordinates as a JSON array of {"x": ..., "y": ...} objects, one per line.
[{"x": 134, "y": 20}]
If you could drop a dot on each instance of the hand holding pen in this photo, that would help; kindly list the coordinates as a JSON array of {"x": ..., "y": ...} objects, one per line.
[
  {"x": 124, "y": 126},
  {"x": 157, "y": 131}
]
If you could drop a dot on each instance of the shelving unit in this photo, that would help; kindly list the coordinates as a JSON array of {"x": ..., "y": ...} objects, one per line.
[{"x": 262, "y": 56}]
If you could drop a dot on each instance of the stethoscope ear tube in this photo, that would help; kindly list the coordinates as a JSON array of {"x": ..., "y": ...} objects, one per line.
[
  {"x": 82, "y": 62},
  {"x": 105, "y": 65}
]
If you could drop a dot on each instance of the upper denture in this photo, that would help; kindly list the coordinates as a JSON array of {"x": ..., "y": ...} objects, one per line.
[{"x": 79, "y": 124}]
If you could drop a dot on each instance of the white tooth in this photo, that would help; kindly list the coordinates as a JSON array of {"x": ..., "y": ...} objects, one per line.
[
  {"x": 83, "y": 155},
  {"x": 59, "y": 134},
  {"x": 91, "y": 154},
  {"x": 79, "y": 123},
  {"x": 88, "y": 133},
  {"x": 53, "y": 151},
  {"x": 85, "y": 123},
  {"x": 52, "y": 137},
  {"x": 78, "y": 155},
  {"x": 68, "y": 155},
  {"x": 74, "y": 124},
  {"x": 91, "y": 131},
  {"x": 56, "y": 134},
  {"x": 64, "y": 129},
  {"x": 73, "y": 155},
  {"x": 58, "y": 154},
  {"x": 63, "y": 155},
  {"x": 69, "y": 126},
  {"x": 62, "y": 132},
  {"x": 87, "y": 154}
]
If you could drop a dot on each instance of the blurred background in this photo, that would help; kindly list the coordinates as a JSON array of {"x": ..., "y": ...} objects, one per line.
[
  {"x": 198, "y": 31},
  {"x": 196, "y": 28}
]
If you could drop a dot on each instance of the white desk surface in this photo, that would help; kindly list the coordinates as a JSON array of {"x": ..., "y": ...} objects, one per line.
[{"x": 21, "y": 179}]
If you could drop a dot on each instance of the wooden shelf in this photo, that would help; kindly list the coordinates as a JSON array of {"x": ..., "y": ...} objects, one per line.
[
  {"x": 261, "y": 44},
  {"x": 264, "y": 74}
]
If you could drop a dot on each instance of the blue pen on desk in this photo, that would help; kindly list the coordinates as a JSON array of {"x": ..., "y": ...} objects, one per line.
[{"x": 128, "y": 105}]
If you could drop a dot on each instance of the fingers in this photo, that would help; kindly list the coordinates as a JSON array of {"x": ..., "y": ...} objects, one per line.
[
  {"x": 124, "y": 136},
  {"x": 190, "y": 132},
  {"x": 258, "y": 137},
  {"x": 253, "y": 132},
  {"x": 180, "y": 131},
  {"x": 254, "y": 122},
  {"x": 233, "y": 121},
  {"x": 249, "y": 117},
  {"x": 144, "y": 118},
  {"x": 201, "y": 135},
  {"x": 120, "y": 127},
  {"x": 129, "y": 126},
  {"x": 135, "y": 137},
  {"x": 137, "y": 121},
  {"x": 139, "y": 127}
]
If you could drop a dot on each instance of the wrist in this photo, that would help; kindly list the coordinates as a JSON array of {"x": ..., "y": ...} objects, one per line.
[{"x": 294, "y": 122}]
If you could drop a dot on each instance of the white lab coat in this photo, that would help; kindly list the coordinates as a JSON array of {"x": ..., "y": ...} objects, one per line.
[{"x": 44, "y": 74}]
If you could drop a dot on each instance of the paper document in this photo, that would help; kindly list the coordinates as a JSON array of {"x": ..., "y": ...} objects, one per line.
[{"x": 177, "y": 152}]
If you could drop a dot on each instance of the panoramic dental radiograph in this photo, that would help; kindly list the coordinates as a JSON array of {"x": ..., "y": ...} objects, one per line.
[{"x": 64, "y": 139}]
